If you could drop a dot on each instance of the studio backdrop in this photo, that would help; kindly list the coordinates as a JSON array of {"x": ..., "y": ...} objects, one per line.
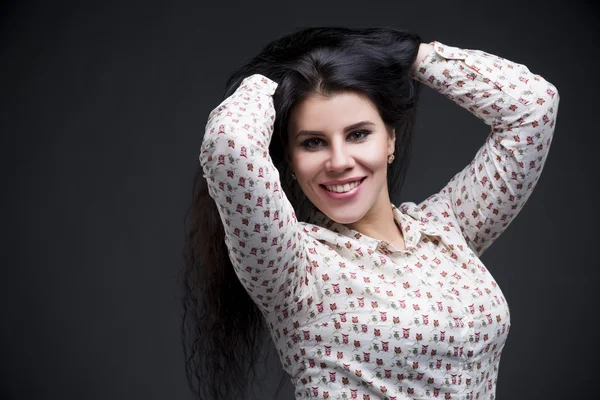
[{"x": 103, "y": 114}]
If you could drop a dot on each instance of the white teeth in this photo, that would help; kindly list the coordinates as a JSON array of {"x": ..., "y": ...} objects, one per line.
[{"x": 343, "y": 188}]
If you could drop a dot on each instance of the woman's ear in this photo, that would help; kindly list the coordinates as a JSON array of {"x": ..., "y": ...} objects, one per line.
[{"x": 392, "y": 142}]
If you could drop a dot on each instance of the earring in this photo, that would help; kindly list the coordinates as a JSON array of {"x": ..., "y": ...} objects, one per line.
[
  {"x": 390, "y": 158},
  {"x": 293, "y": 176}
]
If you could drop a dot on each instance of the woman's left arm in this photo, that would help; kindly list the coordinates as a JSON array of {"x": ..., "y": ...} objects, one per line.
[
  {"x": 424, "y": 50},
  {"x": 521, "y": 109}
]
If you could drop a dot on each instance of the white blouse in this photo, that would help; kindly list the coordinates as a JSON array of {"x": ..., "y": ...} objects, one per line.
[{"x": 351, "y": 316}]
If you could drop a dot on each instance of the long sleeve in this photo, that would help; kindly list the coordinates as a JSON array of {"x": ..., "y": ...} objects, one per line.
[
  {"x": 520, "y": 107},
  {"x": 261, "y": 230}
]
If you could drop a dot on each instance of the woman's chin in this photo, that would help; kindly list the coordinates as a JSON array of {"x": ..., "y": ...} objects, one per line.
[{"x": 342, "y": 216}]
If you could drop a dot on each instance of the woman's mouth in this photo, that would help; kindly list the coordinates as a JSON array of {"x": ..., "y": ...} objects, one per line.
[{"x": 343, "y": 191}]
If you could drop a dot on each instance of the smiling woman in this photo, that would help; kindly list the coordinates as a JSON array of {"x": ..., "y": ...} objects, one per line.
[
  {"x": 344, "y": 154},
  {"x": 292, "y": 227},
  {"x": 334, "y": 120}
]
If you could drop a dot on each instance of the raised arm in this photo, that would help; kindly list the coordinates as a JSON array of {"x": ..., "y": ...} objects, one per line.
[
  {"x": 261, "y": 231},
  {"x": 521, "y": 109}
]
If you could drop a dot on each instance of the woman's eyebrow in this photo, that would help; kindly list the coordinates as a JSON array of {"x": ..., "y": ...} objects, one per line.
[{"x": 360, "y": 124}]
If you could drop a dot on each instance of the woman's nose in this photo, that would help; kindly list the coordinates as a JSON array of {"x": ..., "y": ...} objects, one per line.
[{"x": 340, "y": 158}]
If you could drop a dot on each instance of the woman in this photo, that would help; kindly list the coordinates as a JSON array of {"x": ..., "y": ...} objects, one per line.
[{"x": 293, "y": 224}]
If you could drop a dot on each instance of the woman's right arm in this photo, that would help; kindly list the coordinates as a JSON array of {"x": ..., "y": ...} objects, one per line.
[{"x": 261, "y": 230}]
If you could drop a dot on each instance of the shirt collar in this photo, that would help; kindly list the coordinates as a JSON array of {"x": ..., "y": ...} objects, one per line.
[{"x": 409, "y": 217}]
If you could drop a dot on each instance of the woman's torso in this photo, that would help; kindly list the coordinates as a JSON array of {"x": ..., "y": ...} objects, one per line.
[{"x": 429, "y": 321}]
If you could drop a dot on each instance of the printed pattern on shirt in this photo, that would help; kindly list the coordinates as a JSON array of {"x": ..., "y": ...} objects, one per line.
[
  {"x": 261, "y": 230},
  {"x": 351, "y": 316},
  {"x": 521, "y": 109}
]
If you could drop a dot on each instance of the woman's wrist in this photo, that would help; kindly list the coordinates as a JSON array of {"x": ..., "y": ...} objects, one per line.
[{"x": 424, "y": 50}]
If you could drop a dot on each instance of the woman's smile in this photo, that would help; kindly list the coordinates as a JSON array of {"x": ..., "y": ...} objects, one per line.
[
  {"x": 343, "y": 192},
  {"x": 339, "y": 152}
]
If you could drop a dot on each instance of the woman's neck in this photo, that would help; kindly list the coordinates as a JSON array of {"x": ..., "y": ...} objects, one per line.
[{"x": 379, "y": 223}]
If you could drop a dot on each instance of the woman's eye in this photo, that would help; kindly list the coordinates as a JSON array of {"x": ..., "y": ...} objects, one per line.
[
  {"x": 310, "y": 143},
  {"x": 360, "y": 134},
  {"x": 354, "y": 136}
]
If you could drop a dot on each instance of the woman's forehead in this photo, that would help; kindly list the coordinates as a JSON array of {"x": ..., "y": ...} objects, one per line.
[{"x": 329, "y": 114}]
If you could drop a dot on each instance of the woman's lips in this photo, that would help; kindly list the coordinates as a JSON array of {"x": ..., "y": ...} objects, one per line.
[{"x": 346, "y": 195}]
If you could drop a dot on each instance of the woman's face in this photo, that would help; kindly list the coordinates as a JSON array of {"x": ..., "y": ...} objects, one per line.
[{"x": 340, "y": 138}]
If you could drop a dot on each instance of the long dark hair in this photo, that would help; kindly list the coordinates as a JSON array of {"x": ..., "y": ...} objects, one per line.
[{"x": 222, "y": 329}]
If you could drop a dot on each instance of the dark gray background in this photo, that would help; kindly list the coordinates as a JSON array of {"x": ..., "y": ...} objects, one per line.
[{"x": 104, "y": 105}]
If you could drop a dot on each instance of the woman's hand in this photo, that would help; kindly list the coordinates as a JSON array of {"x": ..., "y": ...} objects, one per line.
[{"x": 424, "y": 50}]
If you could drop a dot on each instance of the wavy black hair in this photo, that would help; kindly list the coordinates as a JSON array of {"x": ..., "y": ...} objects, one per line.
[{"x": 222, "y": 329}]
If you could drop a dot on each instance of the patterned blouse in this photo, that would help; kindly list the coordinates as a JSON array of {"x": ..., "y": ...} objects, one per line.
[{"x": 351, "y": 316}]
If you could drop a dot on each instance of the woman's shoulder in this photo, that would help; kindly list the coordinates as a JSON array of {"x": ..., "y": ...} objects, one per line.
[{"x": 432, "y": 216}]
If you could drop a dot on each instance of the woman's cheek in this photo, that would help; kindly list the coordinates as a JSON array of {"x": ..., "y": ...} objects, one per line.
[
  {"x": 306, "y": 164},
  {"x": 372, "y": 156}
]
